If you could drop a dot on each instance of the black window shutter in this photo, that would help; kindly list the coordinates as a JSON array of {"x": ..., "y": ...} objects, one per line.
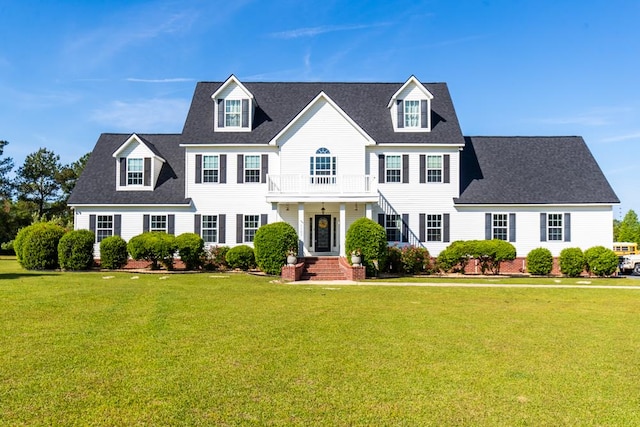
[
  {"x": 405, "y": 168},
  {"x": 222, "y": 228},
  {"x": 381, "y": 176},
  {"x": 245, "y": 113},
  {"x": 263, "y": 219},
  {"x": 446, "y": 227},
  {"x": 171, "y": 224},
  {"x": 198, "y": 168},
  {"x": 145, "y": 223},
  {"x": 117, "y": 225},
  {"x": 223, "y": 168},
  {"x": 240, "y": 169},
  {"x": 264, "y": 165},
  {"x": 123, "y": 171},
  {"x": 197, "y": 224},
  {"x": 567, "y": 227},
  {"x": 239, "y": 228},
  {"x": 147, "y": 171},
  {"x": 400, "y": 106},
  {"x": 92, "y": 223},
  {"x": 512, "y": 227},
  {"x": 220, "y": 113},
  {"x": 445, "y": 163},
  {"x": 423, "y": 114},
  {"x": 543, "y": 227},
  {"x": 487, "y": 226},
  {"x": 381, "y": 219},
  {"x": 423, "y": 168},
  {"x": 423, "y": 227},
  {"x": 405, "y": 227}
]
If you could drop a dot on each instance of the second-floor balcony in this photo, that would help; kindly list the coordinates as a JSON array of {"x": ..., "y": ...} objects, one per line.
[{"x": 298, "y": 186}]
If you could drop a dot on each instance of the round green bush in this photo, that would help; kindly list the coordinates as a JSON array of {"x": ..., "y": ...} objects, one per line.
[
  {"x": 572, "y": 262},
  {"x": 39, "y": 247},
  {"x": 539, "y": 261},
  {"x": 154, "y": 246},
  {"x": 601, "y": 261},
  {"x": 415, "y": 259},
  {"x": 393, "y": 261},
  {"x": 369, "y": 239},
  {"x": 241, "y": 257},
  {"x": 454, "y": 257},
  {"x": 191, "y": 250},
  {"x": 75, "y": 250},
  {"x": 18, "y": 242},
  {"x": 113, "y": 252},
  {"x": 272, "y": 243}
]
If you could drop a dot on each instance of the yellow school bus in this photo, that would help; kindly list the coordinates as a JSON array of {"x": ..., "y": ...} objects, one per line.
[{"x": 625, "y": 248}]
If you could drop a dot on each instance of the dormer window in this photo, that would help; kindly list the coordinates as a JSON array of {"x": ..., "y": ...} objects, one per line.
[
  {"x": 410, "y": 107},
  {"x": 135, "y": 171},
  {"x": 234, "y": 106},
  {"x": 411, "y": 114},
  {"x": 232, "y": 112}
]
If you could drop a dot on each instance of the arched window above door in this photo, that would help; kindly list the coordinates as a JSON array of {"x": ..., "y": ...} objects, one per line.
[{"x": 323, "y": 167}]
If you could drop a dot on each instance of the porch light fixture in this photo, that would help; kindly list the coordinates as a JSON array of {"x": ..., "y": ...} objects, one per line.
[
  {"x": 356, "y": 209},
  {"x": 322, "y": 208},
  {"x": 287, "y": 206}
]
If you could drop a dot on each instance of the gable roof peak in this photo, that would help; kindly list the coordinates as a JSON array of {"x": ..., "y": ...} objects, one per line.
[
  {"x": 138, "y": 139},
  {"x": 412, "y": 80},
  {"x": 231, "y": 80}
]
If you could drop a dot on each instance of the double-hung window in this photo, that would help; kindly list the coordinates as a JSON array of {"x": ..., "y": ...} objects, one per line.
[
  {"x": 411, "y": 114},
  {"x": 210, "y": 169},
  {"x": 251, "y": 168},
  {"x": 500, "y": 226},
  {"x": 104, "y": 227},
  {"x": 322, "y": 167},
  {"x": 209, "y": 228},
  {"x": 135, "y": 168},
  {"x": 393, "y": 166},
  {"x": 232, "y": 112},
  {"x": 434, "y": 228},
  {"x": 393, "y": 226},
  {"x": 158, "y": 223},
  {"x": 251, "y": 225},
  {"x": 554, "y": 226},
  {"x": 434, "y": 168}
]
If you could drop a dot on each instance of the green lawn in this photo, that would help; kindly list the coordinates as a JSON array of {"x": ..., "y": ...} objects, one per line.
[{"x": 231, "y": 349}]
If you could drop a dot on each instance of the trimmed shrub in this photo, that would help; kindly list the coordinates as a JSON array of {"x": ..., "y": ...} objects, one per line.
[
  {"x": 454, "y": 258},
  {"x": 113, "y": 252},
  {"x": 539, "y": 261},
  {"x": 601, "y": 261},
  {"x": 572, "y": 262},
  {"x": 39, "y": 246},
  {"x": 75, "y": 250},
  {"x": 191, "y": 250},
  {"x": 154, "y": 246},
  {"x": 415, "y": 259},
  {"x": 491, "y": 253},
  {"x": 241, "y": 257},
  {"x": 272, "y": 243},
  {"x": 18, "y": 242},
  {"x": 215, "y": 258},
  {"x": 393, "y": 263},
  {"x": 370, "y": 239}
]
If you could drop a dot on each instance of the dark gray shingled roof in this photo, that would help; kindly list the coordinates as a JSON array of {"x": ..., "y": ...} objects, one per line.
[
  {"x": 279, "y": 103},
  {"x": 97, "y": 184},
  {"x": 531, "y": 170}
]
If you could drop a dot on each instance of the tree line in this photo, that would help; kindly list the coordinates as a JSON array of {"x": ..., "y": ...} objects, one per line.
[{"x": 37, "y": 191}]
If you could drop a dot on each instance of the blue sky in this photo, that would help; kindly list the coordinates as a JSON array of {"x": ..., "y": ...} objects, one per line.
[{"x": 70, "y": 70}]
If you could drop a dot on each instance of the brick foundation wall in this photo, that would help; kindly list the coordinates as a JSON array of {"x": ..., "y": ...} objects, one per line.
[
  {"x": 352, "y": 273},
  {"x": 132, "y": 264},
  {"x": 292, "y": 273},
  {"x": 517, "y": 266}
]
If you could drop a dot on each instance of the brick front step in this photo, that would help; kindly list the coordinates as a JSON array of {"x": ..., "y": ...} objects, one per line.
[{"x": 325, "y": 268}]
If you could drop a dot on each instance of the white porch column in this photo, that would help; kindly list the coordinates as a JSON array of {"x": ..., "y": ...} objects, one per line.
[
  {"x": 301, "y": 232},
  {"x": 369, "y": 210},
  {"x": 343, "y": 228}
]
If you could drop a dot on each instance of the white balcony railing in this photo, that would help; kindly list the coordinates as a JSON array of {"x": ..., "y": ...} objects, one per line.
[{"x": 295, "y": 184}]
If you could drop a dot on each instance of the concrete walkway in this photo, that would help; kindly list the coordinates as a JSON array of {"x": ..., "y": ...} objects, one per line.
[{"x": 456, "y": 285}]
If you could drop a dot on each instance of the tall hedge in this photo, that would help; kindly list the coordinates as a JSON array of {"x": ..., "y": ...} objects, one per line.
[
  {"x": 572, "y": 262},
  {"x": 370, "y": 239},
  {"x": 113, "y": 252},
  {"x": 601, "y": 261},
  {"x": 38, "y": 246},
  {"x": 154, "y": 246},
  {"x": 191, "y": 250},
  {"x": 75, "y": 250},
  {"x": 271, "y": 245},
  {"x": 539, "y": 261}
]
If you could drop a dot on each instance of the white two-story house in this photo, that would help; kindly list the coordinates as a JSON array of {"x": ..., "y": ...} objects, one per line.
[{"x": 321, "y": 155}]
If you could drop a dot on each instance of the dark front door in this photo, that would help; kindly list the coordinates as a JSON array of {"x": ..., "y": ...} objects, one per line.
[{"x": 323, "y": 233}]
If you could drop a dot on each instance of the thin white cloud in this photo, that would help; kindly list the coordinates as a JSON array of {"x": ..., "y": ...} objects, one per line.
[
  {"x": 169, "y": 80},
  {"x": 314, "y": 31},
  {"x": 153, "y": 115},
  {"x": 620, "y": 138}
]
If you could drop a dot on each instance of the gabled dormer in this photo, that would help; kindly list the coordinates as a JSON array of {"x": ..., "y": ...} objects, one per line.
[
  {"x": 410, "y": 107},
  {"x": 234, "y": 107},
  {"x": 138, "y": 165}
]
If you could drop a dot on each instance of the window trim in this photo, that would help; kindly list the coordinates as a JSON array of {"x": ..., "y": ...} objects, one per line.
[
  {"x": 228, "y": 114},
  {"x": 323, "y": 157},
  {"x": 156, "y": 218},
  {"x": 214, "y": 229},
  {"x": 414, "y": 115},
  {"x": 129, "y": 172},
  {"x": 496, "y": 228},
  {"x": 249, "y": 233},
  {"x": 439, "y": 169},
  {"x": 558, "y": 227},
  {"x": 109, "y": 229},
  {"x": 215, "y": 170},
  {"x": 256, "y": 177},
  {"x": 387, "y": 169},
  {"x": 439, "y": 228},
  {"x": 389, "y": 227}
]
